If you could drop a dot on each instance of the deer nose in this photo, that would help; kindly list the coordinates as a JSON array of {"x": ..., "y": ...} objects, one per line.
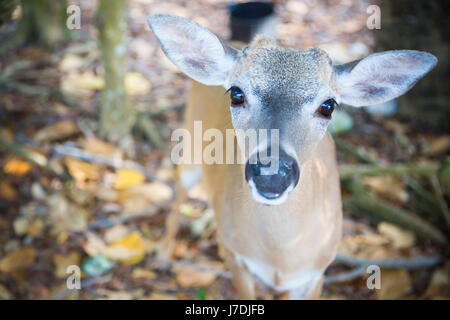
[{"x": 271, "y": 176}]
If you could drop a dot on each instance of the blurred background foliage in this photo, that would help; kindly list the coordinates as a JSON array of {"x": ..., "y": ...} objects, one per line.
[{"x": 85, "y": 173}]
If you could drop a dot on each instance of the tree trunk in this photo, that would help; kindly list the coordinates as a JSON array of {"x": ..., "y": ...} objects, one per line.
[
  {"x": 43, "y": 22},
  {"x": 420, "y": 25},
  {"x": 117, "y": 116},
  {"x": 6, "y": 9}
]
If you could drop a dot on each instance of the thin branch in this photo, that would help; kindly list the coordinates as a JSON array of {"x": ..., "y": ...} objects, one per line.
[{"x": 84, "y": 284}]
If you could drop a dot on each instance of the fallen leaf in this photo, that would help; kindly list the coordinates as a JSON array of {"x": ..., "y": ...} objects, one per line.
[
  {"x": 4, "y": 293},
  {"x": 189, "y": 277},
  {"x": 94, "y": 245},
  {"x": 20, "y": 226},
  {"x": 128, "y": 250},
  {"x": 18, "y": 260},
  {"x": 7, "y": 191},
  {"x": 102, "y": 148},
  {"x": 126, "y": 178},
  {"x": 62, "y": 262},
  {"x": 82, "y": 171},
  {"x": 65, "y": 215},
  {"x": 136, "y": 84},
  {"x": 89, "y": 81},
  {"x": 97, "y": 265},
  {"x": 387, "y": 187},
  {"x": 439, "y": 287},
  {"x": 16, "y": 167},
  {"x": 401, "y": 239},
  {"x": 70, "y": 62},
  {"x": 140, "y": 273},
  {"x": 439, "y": 145},
  {"x": 56, "y": 131},
  {"x": 394, "y": 284},
  {"x": 117, "y": 232}
]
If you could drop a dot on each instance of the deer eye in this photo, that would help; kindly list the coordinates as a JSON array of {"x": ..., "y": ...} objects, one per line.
[
  {"x": 327, "y": 108},
  {"x": 237, "y": 96}
]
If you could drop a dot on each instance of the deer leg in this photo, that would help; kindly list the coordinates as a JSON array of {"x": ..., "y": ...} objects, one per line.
[
  {"x": 309, "y": 292},
  {"x": 242, "y": 279},
  {"x": 188, "y": 177}
]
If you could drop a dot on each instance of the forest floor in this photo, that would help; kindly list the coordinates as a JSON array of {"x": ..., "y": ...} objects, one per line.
[{"x": 69, "y": 198}]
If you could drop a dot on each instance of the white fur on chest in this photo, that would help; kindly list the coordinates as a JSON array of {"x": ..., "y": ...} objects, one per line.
[{"x": 301, "y": 282}]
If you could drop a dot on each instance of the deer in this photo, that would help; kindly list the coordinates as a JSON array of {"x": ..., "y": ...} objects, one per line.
[{"x": 282, "y": 227}]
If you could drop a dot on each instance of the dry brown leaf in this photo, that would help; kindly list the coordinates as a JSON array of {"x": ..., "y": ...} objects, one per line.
[
  {"x": 367, "y": 246},
  {"x": 62, "y": 262},
  {"x": 82, "y": 171},
  {"x": 18, "y": 260},
  {"x": 387, "y": 187},
  {"x": 394, "y": 284},
  {"x": 140, "y": 273},
  {"x": 439, "y": 145},
  {"x": 439, "y": 287},
  {"x": 4, "y": 293},
  {"x": 7, "y": 191},
  {"x": 188, "y": 276},
  {"x": 102, "y": 148},
  {"x": 58, "y": 130},
  {"x": 401, "y": 239}
]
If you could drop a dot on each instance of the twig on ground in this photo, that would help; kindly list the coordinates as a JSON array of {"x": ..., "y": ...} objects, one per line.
[
  {"x": 360, "y": 266},
  {"x": 84, "y": 285}
]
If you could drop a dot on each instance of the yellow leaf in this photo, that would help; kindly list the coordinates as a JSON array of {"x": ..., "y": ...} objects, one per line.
[
  {"x": 128, "y": 250},
  {"x": 18, "y": 260},
  {"x": 7, "y": 191},
  {"x": 89, "y": 81},
  {"x": 58, "y": 130},
  {"x": 16, "y": 167},
  {"x": 126, "y": 178},
  {"x": 136, "y": 84}
]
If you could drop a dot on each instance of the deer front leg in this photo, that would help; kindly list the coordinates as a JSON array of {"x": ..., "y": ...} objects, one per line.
[
  {"x": 168, "y": 242},
  {"x": 188, "y": 176},
  {"x": 311, "y": 292},
  {"x": 243, "y": 280}
]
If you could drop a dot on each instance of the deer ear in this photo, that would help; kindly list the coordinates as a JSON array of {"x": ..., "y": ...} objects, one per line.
[
  {"x": 195, "y": 50},
  {"x": 381, "y": 77}
]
